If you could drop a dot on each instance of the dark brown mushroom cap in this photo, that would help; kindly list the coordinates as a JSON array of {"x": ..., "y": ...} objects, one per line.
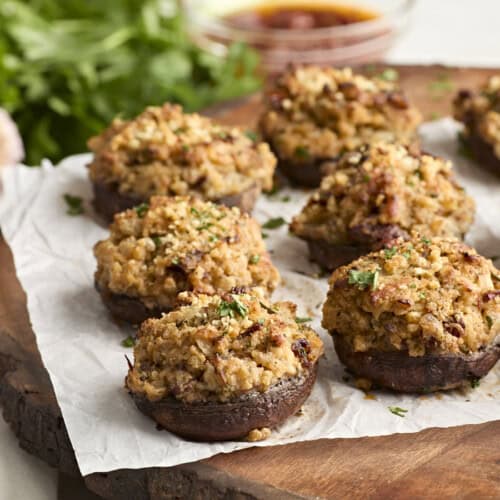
[
  {"x": 365, "y": 239},
  {"x": 129, "y": 309},
  {"x": 398, "y": 371},
  {"x": 108, "y": 201},
  {"x": 215, "y": 421}
]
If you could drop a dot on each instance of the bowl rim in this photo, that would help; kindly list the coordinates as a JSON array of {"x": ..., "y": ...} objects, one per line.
[{"x": 216, "y": 26}]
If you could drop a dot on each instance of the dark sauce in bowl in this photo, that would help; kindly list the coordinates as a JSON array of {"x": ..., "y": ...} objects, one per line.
[{"x": 298, "y": 16}]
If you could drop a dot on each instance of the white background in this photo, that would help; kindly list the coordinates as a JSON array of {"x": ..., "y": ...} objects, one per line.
[{"x": 457, "y": 32}]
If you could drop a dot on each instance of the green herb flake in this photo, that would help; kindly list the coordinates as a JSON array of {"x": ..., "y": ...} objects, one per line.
[
  {"x": 185, "y": 148},
  {"x": 463, "y": 147},
  {"x": 269, "y": 309},
  {"x": 285, "y": 199},
  {"x": 233, "y": 308},
  {"x": 389, "y": 75},
  {"x": 254, "y": 259},
  {"x": 274, "y": 190},
  {"x": 425, "y": 241},
  {"x": 412, "y": 285},
  {"x": 128, "y": 342},
  {"x": 364, "y": 279},
  {"x": 489, "y": 321},
  {"x": 475, "y": 382},
  {"x": 274, "y": 223},
  {"x": 396, "y": 410},
  {"x": 141, "y": 209},
  {"x": 300, "y": 320},
  {"x": 366, "y": 178},
  {"x": 264, "y": 236},
  {"x": 252, "y": 135},
  {"x": 434, "y": 116},
  {"x": 440, "y": 86},
  {"x": 389, "y": 253},
  {"x": 175, "y": 261},
  {"x": 74, "y": 204},
  {"x": 406, "y": 255},
  {"x": 422, "y": 295},
  {"x": 213, "y": 238},
  {"x": 156, "y": 241},
  {"x": 301, "y": 152}
]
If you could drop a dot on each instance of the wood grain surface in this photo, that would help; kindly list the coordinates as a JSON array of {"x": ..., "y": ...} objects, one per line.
[{"x": 458, "y": 462}]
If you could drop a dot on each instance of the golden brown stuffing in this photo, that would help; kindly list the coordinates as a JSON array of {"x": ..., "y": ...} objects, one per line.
[
  {"x": 220, "y": 347},
  {"x": 480, "y": 111},
  {"x": 177, "y": 244},
  {"x": 165, "y": 151},
  {"x": 386, "y": 184},
  {"x": 315, "y": 112},
  {"x": 426, "y": 295}
]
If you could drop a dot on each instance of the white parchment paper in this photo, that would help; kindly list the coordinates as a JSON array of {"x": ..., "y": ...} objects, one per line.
[{"x": 81, "y": 346}]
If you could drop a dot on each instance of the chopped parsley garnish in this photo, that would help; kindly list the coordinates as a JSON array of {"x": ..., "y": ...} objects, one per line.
[
  {"x": 396, "y": 410},
  {"x": 180, "y": 130},
  {"x": 233, "y": 308},
  {"x": 74, "y": 203},
  {"x": 265, "y": 236},
  {"x": 475, "y": 382},
  {"x": 389, "y": 75},
  {"x": 252, "y": 135},
  {"x": 412, "y": 285},
  {"x": 389, "y": 253},
  {"x": 156, "y": 241},
  {"x": 301, "y": 152},
  {"x": 128, "y": 342},
  {"x": 366, "y": 178},
  {"x": 422, "y": 295},
  {"x": 300, "y": 320},
  {"x": 195, "y": 211},
  {"x": 489, "y": 321},
  {"x": 141, "y": 209},
  {"x": 285, "y": 198},
  {"x": 269, "y": 309},
  {"x": 406, "y": 255},
  {"x": 425, "y": 241},
  {"x": 212, "y": 238},
  {"x": 441, "y": 85},
  {"x": 175, "y": 261},
  {"x": 254, "y": 259},
  {"x": 274, "y": 190},
  {"x": 274, "y": 223},
  {"x": 185, "y": 148},
  {"x": 363, "y": 279}
]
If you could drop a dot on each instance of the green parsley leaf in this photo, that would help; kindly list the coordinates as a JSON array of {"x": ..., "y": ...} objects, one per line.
[
  {"x": 389, "y": 75},
  {"x": 175, "y": 261},
  {"x": 363, "y": 279},
  {"x": 264, "y": 236},
  {"x": 274, "y": 223},
  {"x": 489, "y": 321},
  {"x": 475, "y": 382},
  {"x": 285, "y": 199},
  {"x": 425, "y": 241},
  {"x": 269, "y": 309},
  {"x": 274, "y": 190},
  {"x": 396, "y": 410},
  {"x": 301, "y": 152},
  {"x": 252, "y": 135},
  {"x": 464, "y": 149},
  {"x": 406, "y": 255},
  {"x": 440, "y": 86},
  {"x": 389, "y": 253},
  {"x": 128, "y": 342},
  {"x": 156, "y": 241},
  {"x": 299, "y": 320},
  {"x": 74, "y": 203},
  {"x": 232, "y": 308},
  {"x": 142, "y": 209},
  {"x": 254, "y": 259}
]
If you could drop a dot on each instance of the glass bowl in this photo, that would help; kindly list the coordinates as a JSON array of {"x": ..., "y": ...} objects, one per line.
[{"x": 351, "y": 44}]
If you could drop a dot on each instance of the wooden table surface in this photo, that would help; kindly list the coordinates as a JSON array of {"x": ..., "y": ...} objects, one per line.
[{"x": 458, "y": 462}]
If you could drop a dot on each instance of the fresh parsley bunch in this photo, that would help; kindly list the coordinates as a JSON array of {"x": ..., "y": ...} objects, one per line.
[{"x": 67, "y": 68}]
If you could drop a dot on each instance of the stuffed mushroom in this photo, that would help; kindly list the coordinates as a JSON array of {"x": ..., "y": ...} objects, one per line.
[
  {"x": 423, "y": 315},
  {"x": 479, "y": 111},
  {"x": 377, "y": 194},
  {"x": 223, "y": 367},
  {"x": 172, "y": 245},
  {"x": 314, "y": 114},
  {"x": 165, "y": 151}
]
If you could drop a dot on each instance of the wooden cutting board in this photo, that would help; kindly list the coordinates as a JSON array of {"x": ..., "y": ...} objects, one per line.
[{"x": 458, "y": 462}]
